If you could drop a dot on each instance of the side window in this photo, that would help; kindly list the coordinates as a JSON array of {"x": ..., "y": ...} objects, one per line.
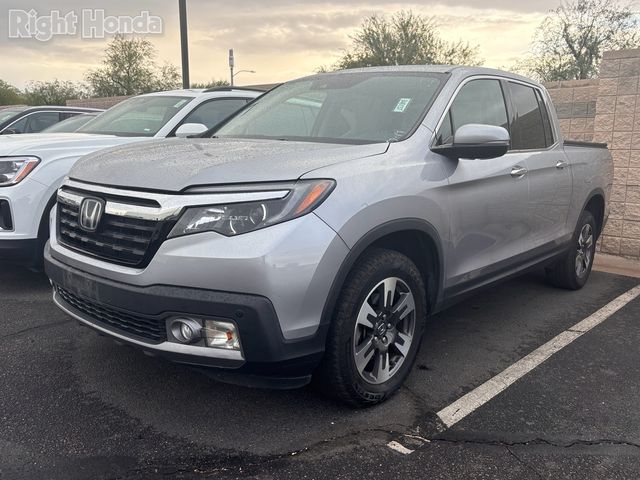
[
  {"x": 214, "y": 111},
  {"x": 479, "y": 101},
  {"x": 546, "y": 121},
  {"x": 445, "y": 133},
  {"x": 528, "y": 130},
  {"x": 39, "y": 121},
  {"x": 65, "y": 115}
]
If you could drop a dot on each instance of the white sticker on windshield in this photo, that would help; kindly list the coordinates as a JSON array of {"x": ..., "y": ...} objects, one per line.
[
  {"x": 180, "y": 103},
  {"x": 402, "y": 105}
]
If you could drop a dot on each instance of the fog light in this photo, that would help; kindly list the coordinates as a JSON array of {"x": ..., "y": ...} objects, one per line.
[
  {"x": 221, "y": 335},
  {"x": 186, "y": 330}
]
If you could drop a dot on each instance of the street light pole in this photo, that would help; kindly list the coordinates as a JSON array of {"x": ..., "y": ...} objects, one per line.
[
  {"x": 231, "y": 64},
  {"x": 241, "y": 71},
  {"x": 184, "y": 43}
]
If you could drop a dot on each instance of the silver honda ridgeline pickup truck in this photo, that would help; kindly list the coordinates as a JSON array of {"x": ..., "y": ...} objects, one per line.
[{"x": 313, "y": 233}]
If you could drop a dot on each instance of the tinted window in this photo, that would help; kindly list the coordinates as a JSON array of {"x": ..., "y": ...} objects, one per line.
[
  {"x": 70, "y": 124},
  {"x": 65, "y": 115},
  {"x": 213, "y": 112},
  {"x": 353, "y": 107},
  {"x": 528, "y": 129},
  {"x": 445, "y": 133},
  {"x": 39, "y": 121},
  {"x": 548, "y": 132},
  {"x": 35, "y": 122},
  {"x": 479, "y": 101}
]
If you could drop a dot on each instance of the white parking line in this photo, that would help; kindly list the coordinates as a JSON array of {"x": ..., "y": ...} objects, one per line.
[{"x": 476, "y": 398}]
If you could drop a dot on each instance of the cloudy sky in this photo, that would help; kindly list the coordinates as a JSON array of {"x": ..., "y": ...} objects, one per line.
[{"x": 279, "y": 39}]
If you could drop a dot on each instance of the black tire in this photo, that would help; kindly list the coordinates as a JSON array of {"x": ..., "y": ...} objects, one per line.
[
  {"x": 338, "y": 375},
  {"x": 564, "y": 273}
]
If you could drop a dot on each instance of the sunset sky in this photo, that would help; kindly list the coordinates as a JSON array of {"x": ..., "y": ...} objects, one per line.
[{"x": 279, "y": 39}]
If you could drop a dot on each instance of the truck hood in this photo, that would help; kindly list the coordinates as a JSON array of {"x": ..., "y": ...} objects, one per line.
[
  {"x": 46, "y": 145},
  {"x": 176, "y": 164}
]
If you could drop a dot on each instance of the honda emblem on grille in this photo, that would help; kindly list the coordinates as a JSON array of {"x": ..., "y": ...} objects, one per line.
[{"x": 91, "y": 210}]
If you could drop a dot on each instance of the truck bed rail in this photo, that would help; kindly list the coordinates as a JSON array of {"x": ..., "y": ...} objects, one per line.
[{"x": 580, "y": 143}]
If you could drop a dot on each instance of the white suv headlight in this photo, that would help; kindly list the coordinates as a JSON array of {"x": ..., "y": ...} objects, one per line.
[
  {"x": 14, "y": 169},
  {"x": 237, "y": 218}
]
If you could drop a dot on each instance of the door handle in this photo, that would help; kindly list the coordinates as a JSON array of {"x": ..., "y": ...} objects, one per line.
[
  {"x": 561, "y": 164},
  {"x": 518, "y": 171}
]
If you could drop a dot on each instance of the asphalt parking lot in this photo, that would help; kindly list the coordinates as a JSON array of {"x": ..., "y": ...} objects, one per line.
[{"x": 74, "y": 405}]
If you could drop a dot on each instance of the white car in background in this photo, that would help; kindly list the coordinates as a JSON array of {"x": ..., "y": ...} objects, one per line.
[{"x": 32, "y": 167}]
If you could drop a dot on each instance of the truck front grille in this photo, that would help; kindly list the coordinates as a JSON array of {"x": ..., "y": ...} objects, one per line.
[
  {"x": 144, "y": 328},
  {"x": 124, "y": 240}
]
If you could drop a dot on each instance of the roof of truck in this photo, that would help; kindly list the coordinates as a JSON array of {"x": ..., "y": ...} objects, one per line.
[{"x": 458, "y": 70}]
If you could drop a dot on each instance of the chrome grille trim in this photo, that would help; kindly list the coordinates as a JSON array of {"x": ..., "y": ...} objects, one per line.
[{"x": 170, "y": 205}]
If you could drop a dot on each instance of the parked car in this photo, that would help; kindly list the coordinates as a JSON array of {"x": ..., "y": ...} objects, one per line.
[
  {"x": 14, "y": 120},
  {"x": 72, "y": 124},
  {"x": 32, "y": 167},
  {"x": 322, "y": 224}
]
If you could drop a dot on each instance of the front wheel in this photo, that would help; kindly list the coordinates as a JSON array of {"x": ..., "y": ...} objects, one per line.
[
  {"x": 376, "y": 330},
  {"x": 573, "y": 269}
]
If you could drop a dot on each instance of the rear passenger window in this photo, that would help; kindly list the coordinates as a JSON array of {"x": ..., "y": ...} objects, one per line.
[
  {"x": 548, "y": 132},
  {"x": 479, "y": 101},
  {"x": 215, "y": 111},
  {"x": 65, "y": 115},
  {"x": 41, "y": 120},
  {"x": 528, "y": 130}
]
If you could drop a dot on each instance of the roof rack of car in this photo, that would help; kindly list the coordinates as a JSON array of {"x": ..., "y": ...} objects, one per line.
[
  {"x": 229, "y": 89},
  {"x": 251, "y": 88}
]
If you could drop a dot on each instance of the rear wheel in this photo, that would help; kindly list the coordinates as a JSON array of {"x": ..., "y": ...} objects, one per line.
[
  {"x": 376, "y": 330},
  {"x": 572, "y": 271}
]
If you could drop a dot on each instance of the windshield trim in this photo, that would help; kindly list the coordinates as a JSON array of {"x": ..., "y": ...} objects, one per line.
[{"x": 445, "y": 76}]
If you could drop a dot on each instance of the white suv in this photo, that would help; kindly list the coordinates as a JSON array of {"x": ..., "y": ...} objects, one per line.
[{"x": 32, "y": 167}]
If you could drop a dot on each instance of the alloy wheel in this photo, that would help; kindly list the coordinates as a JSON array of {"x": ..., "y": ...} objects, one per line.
[
  {"x": 384, "y": 330},
  {"x": 584, "y": 255}
]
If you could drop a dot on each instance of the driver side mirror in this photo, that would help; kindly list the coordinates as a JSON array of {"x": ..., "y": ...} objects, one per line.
[
  {"x": 476, "y": 141},
  {"x": 187, "y": 130}
]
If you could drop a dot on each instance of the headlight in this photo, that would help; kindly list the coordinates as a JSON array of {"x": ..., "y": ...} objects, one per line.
[
  {"x": 238, "y": 218},
  {"x": 14, "y": 169}
]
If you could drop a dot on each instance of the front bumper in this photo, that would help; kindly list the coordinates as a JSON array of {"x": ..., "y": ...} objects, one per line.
[
  {"x": 27, "y": 202},
  {"x": 266, "y": 359},
  {"x": 24, "y": 206}
]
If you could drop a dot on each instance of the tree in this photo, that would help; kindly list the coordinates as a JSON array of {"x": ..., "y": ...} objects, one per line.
[
  {"x": 9, "y": 95},
  {"x": 404, "y": 39},
  {"x": 52, "y": 93},
  {"x": 129, "y": 68},
  {"x": 570, "y": 41},
  {"x": 211, "y": 84}
]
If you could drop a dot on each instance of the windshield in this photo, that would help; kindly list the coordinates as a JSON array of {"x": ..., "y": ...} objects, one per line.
[
  {"x": 136, "y": 117},
  {"x": 69, "y": 125},
  {"x": 7, "y": 114},
  {"x": 355, "y": 107}
]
